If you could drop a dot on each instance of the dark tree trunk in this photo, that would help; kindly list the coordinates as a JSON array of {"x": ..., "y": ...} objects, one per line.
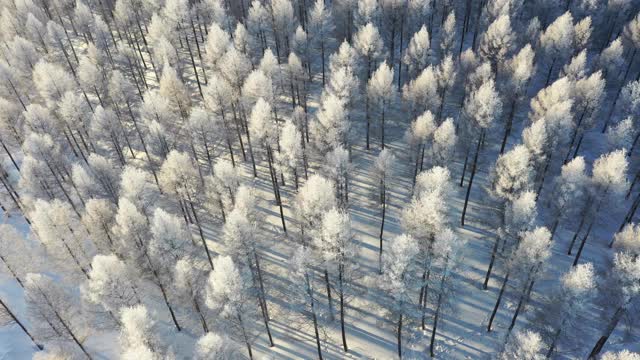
[
  {"x": 342, "y": 307},
  {"x": 497, "y": 306},
  {"x": 607, "y": 333},
  {"x": 473, "y": 173},
  {"x": 509, "y": 125},
  {"x": 400, "y": 336},
  {"x": 584, "y": 241},
  {"x": 15, "y": 319}
]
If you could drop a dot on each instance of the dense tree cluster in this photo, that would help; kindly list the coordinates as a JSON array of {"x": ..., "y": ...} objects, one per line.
[{"x": 221, "y": 170}]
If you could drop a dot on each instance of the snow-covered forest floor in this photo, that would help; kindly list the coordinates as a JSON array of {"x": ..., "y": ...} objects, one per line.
[{"x": 52, "y": 175}]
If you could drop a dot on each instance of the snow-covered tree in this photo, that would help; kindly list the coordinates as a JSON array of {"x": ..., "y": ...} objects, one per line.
[
  {"x": 444, "y": 144},
  {"x": 422, "y": 93},
  {"x": 449, "y": 249},
  {"x": 189, "y": 276},
  {"x": 557, "y": 41},
  {"x": 369, "y": 45},
  {"x": 519, "y": 70},
  {"x": 620, "y": 355},
  {"x": 524, "y": 264},
  {"x": 53, "y": 310},
  {"x": 54, "y": 224},
  {"x": 291, "y": 155},
  {"x": 330, "y": 128},
  {"x": 560, "y": 319},
  {"x": 229, "y": 293},
  {"x": 397, "y": 278},
  {"x": 314, "y": 199},
  {"x": 383, "y": 170},
  {"x": 570, "y": 191},
  {"x": 381, "y": 92},
  {"x": 418, "y": 52},
  {"x": 497, "y": 41},
  {"x": 109, "y": 284},
  {"x": 481, "y": 108},
  {"x": 321, "y": 29},
  {"x": 338, "y": 168},
  {"x": 214, "y": 346},
  {"x": 137, "y": 336},
  {"x": 337, "y": 250},
  {"x": 525, "y": 345},
  {"x": 608, "y": 181},
  {"x": 179, "y": 176}
]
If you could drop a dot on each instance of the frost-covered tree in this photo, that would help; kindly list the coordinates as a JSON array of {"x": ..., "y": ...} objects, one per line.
[
  {"x": 52, "y": 309},
  {"x": 519, "y": 215},
  {"x": 264, "y": 131},
  {"x": 381, "y": 92},
  {"x": 525, "y": 345},
  {"x": 15, "y": 254},
  {"x": 557, "y": 41},
  {"x": 497, "y": 41},
  {"x": 569, "y": 192},
  {"x": 337, "y": 250},
  {"x": 138, "y": 339},
  {"x": 369, "y": 45},
  {"x": 553, "y": 106},
  {"x": 524, "y": 264},
  {"x": 291, "y": 155},
  {"x": 560, "y": 319},
  {"x": 481, "y": 108},
  {"x": 189, "y": 276},
  {"x": 510, "y": 177},
  {"x": 620, "y": 355},
  {"x": 178, "y": 175},
  {"x": 419, "y": 135},
  {"x": 449, "y": 249},
  {"x": 448, "y": 35},
  {"x": 54, "y": 223},
  {"x": 608, "y": 181},
  {"x": 214, "y": 346},
  {"x": 588, "y": 96},
  {"x": 418, "y": 52},
  {"x": 229, "y": 293},
  {"x": 620, "y": 285},
  {"x": 321, "y": 29},
  {"x": 303, "y": 292},
  {"x": 383, "y": 170},
  {"x": 241, "y": 237},
  {"x": 444, "y": 144},
  {"x": 314, "y": 199},
  {"x": 519, "y": 70},
  {"x": 331, "y": 127},
  {"x": 338, "y": 168},
  {"x": 8, "y": 317},
  {"x": 110, "y": 284},
  {"x": 397, "y": 279},
  {"x": 98, "y": 179},
  {"x": 422, "y": 93}
]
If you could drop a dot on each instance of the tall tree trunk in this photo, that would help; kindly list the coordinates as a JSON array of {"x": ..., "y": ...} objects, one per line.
[
  {"x": 584, "y": 241},
  {"x": 607, "y": 333},
  {"x": 313, "y": 314},
  {"x": 473, "y": 173},
  {"x": 328, "y": 285},
  {"x": 204, "y": 242},
  {"x": 497, "y": 306},
  {"x": 384, "y": 211},
  {"x": 342, "y": 307},
  {"x": 509, "y": 125},
  {"x": 399, "y": 333},
  {"x": 15, "y": 319}
]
